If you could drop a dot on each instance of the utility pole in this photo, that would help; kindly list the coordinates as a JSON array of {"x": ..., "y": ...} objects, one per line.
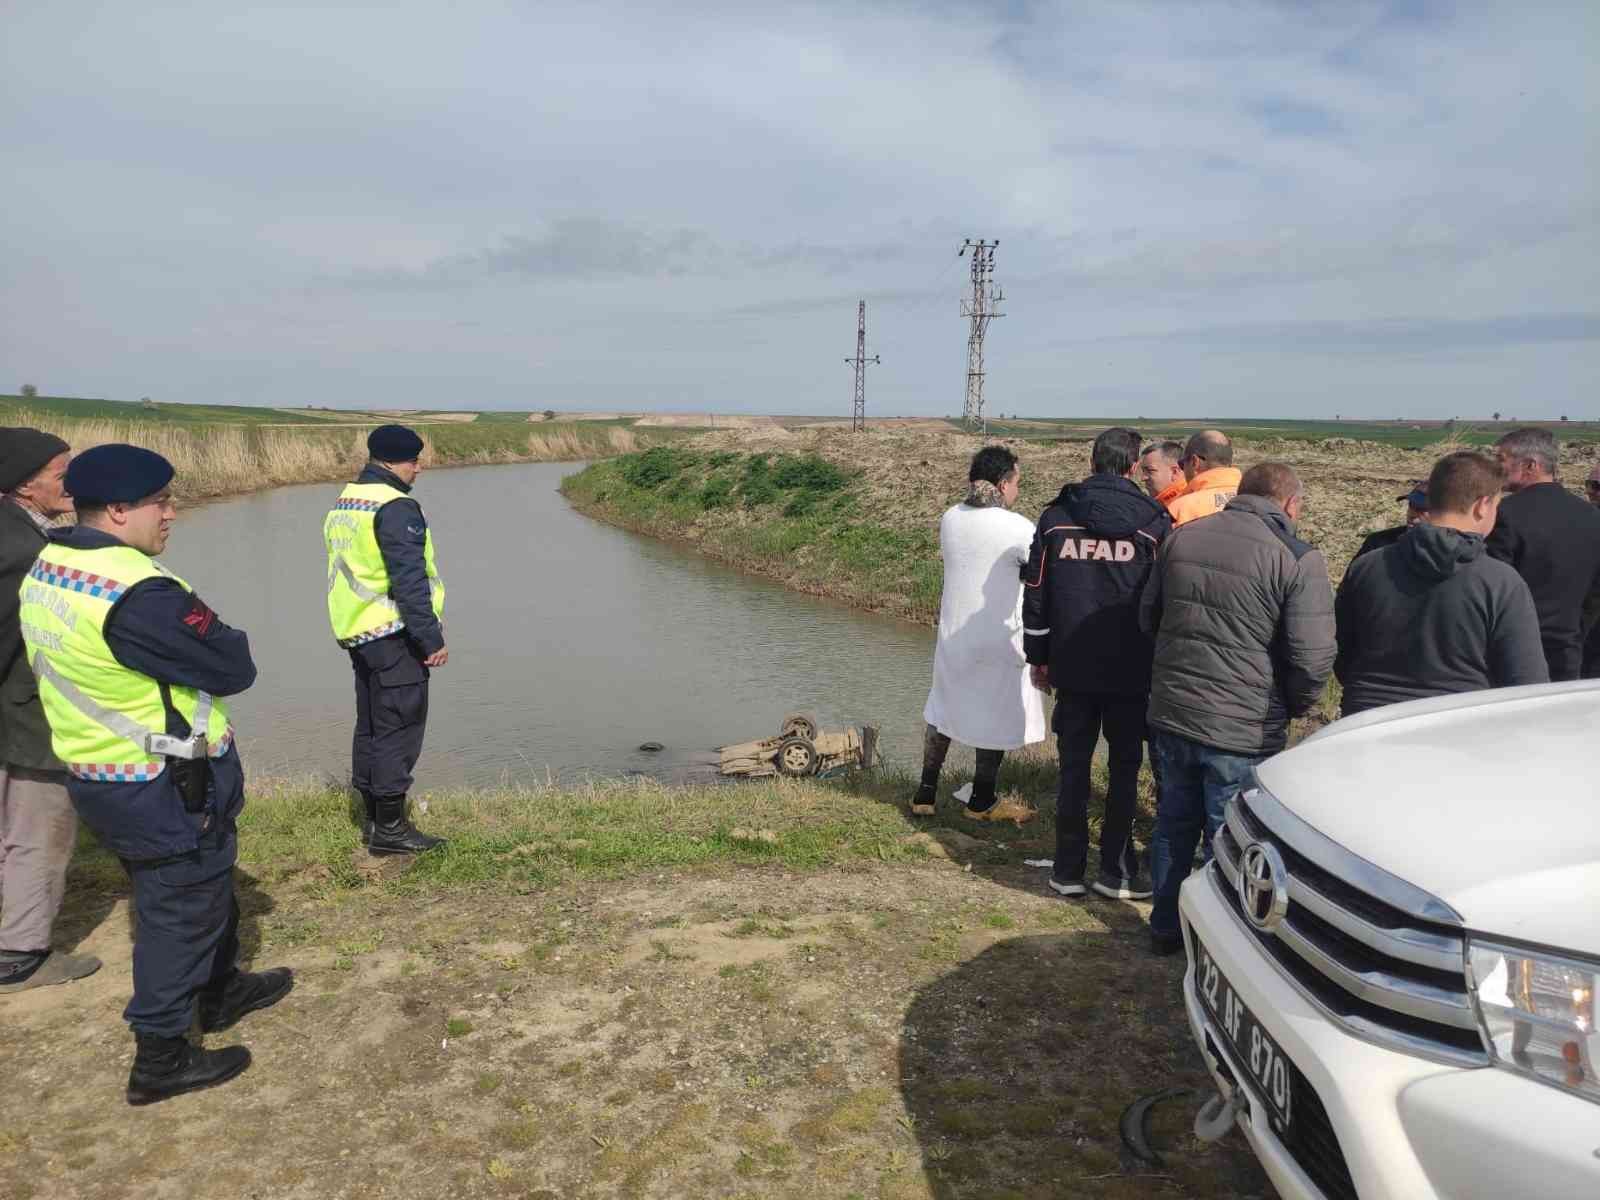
[
  {"x": 981, "y": 308},
  {"x": 858, "y": 417}
]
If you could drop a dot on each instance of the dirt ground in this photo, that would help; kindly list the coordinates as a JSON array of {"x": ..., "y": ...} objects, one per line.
[
  {"x": 895, "y": 1031},
  {"x": 911, "y": 473}
]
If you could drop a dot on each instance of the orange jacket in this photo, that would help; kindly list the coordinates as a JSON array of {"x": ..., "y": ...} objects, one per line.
[
  {"x": 1208, "y": 493},
  {"x": 1172, "y": 491}
]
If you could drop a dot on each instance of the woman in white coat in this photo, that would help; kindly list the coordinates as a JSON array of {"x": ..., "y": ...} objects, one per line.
[{"x": 982, "y": 695}]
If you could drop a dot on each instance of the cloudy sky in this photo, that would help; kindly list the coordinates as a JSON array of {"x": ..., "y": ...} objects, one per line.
[{"x": 1291, "y": 208}]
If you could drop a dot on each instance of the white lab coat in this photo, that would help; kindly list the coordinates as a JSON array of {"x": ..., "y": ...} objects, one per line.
[{"x": 981, "y": 694}]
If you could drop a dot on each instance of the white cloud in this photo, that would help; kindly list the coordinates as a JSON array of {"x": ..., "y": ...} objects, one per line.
[{"x": 639, "y": 204}]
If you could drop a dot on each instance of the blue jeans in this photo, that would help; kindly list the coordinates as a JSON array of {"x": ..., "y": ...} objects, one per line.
[{"x": 1196, "y": 783}]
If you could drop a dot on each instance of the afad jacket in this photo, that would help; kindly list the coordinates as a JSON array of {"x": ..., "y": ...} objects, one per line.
[
  {"x": 1208, "y": 494},
  {"x": 1092, "y": 553}
]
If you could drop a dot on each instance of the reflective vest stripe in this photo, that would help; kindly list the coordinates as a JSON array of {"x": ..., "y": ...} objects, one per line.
[
  {"x": 342, "y": 568},
  {"x": 108, "y": 723}
]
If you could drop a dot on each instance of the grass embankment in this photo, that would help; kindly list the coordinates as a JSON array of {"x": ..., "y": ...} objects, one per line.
[
  {"x": 780, "y": 989},
  {"x": 856, "y": 516},
  {"x": 800, "y": 518},
  {"x": 216, "y": 459}
]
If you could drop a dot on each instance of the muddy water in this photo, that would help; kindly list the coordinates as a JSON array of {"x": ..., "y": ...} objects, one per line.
[{"x": 570, "y": 642}]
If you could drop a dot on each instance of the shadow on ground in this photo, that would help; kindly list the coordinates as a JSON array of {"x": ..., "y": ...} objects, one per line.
[{"x": 1016, "y": 1067}]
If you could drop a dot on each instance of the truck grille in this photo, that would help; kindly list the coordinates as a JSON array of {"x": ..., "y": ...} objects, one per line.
[{"x": 1382, "y": 958}]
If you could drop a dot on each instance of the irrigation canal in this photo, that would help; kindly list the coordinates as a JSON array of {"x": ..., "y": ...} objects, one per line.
[{"x": 571, "y": 642}]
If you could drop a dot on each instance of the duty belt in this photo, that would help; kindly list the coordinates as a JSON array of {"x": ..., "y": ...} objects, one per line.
[{"x": 162, "y": 745}]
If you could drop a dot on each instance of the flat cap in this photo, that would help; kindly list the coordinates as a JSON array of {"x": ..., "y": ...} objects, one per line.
[
  {"x": 117, "y": 474},
  {"x": 393, "y": 443},
  {"x": 24, "y": 452}
]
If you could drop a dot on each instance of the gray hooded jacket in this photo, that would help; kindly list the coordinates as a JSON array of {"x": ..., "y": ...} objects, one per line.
[
  {"x": 1431, "y": 615},
  {"x": 1242, "y": 614}
]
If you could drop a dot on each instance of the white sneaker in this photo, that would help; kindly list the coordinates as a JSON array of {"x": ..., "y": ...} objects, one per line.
[{"x": 1072, "y": 887}]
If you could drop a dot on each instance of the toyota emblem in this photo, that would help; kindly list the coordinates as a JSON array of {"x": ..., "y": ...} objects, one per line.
[{"x": 1263, "y": 886}]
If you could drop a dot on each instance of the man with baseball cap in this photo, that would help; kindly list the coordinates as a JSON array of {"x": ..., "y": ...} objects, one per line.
[
  {"x": 1416, "y": 502},
  {"x": 131, "y": 665},
  {"x": 37, "y": 825},
  {"x": 386, "y": 604}
]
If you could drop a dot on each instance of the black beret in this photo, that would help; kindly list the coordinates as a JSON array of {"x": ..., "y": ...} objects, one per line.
[
  {"x": 24, "y": 452},
  {"x": 393, "y": 443},
  {"x": 117, "y": 474}
]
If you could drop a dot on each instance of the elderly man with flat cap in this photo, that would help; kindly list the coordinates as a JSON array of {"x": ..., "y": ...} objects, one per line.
[
  {"x": 131, "y": 667},
  {"x": 37, "y": 825},
  {"x": 386, "y": 605}
]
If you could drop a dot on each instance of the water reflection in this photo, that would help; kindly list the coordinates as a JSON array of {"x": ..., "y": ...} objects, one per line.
[{"x": 570, "y": 642}]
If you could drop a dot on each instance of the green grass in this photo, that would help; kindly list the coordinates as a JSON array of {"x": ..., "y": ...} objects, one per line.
[{"x": 799, "y": 517}]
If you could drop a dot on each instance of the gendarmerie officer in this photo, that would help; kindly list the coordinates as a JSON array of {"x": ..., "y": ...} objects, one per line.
[
  {"x": 385, "y": 603},
  {"x": 130, "y": 665}
]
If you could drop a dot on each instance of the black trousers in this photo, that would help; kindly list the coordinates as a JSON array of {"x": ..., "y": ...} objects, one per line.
[
  {"x": 1079, "y": 720},
  {"x": 185, "y": 933},
  {"x": 391, "y": 715}
]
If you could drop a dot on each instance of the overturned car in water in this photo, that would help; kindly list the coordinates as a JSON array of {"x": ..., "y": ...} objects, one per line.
[{"x": 1394, "y": 954}]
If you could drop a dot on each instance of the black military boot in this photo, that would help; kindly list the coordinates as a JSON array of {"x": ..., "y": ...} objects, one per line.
[
  {"x": 370, "y": 803},
  {"x": 242, "y": 993},
  {"x": 393, "y": 833},
  {"x": 170, "y": 1066}
]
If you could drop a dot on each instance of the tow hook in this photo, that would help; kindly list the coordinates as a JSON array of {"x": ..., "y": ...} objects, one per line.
[{"x": 1219, "y": 1114}]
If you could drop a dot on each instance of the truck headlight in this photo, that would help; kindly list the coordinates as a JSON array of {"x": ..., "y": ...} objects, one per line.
[{"x": 1538, "y": 1012}]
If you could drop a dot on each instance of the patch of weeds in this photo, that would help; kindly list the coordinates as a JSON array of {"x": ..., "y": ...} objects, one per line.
[
  {"x": 293, "y": 932},
  {"x": 499, "y": 1169},
  {"x": 663, "y": 952},
  {"x": 457, "y": 1027},
  {"x": 666, "y": 923},
  {"x": 486, "y": 1084},
  {"x": 519, "y": 1135},
  {"x": 654, "y": 466},
  {"x": 759, "y": 491},
  {"x": 754, "y": 982},
  {"x": 722, "y": 458},
  {"x": 999, "y": 919},
  {"x": 807, "y": 472},
  {"x": 620, "y": 1099},
  {"x": 755, "y": 927},
  {"x": 569, "y": 1069},
  {"x": 717, "y": 492}
]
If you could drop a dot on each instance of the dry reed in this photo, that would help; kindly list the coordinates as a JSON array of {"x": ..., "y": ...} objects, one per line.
[{"x": 224, "y": 460}]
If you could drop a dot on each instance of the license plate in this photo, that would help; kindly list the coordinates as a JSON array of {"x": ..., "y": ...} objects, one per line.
[{"x": 1251, "y": 1046}]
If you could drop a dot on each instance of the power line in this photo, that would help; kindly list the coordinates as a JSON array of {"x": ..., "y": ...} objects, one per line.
[
  {"x": 858, "y": 415},
  {"x": 981, "y": 308}
]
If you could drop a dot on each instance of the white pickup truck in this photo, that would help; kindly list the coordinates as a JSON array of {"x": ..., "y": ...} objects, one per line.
[{"x": 1394, "y": 954}]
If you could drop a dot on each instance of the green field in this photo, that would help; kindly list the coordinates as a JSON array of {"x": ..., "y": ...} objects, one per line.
[{"x": 1407, "y": 434}]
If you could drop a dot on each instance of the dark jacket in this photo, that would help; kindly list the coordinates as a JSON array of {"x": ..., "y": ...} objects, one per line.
[
  {"x": 24, "y": 732},
  {"x": 402, "y": 532},
  {"x": 1381, "y": 539},
  {"x": 1242, "y": 614},
  {"x": 162, "y": 631},
  {"x": 1552, "y": 538},
  {"x": 1092, "y": 552},
  {"x": 1430, "y": 616}
]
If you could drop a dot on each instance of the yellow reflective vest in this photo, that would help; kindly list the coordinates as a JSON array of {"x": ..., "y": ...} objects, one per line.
[
  {"x": 101, "y": 713},
  {"x": 359, "y": 606}
]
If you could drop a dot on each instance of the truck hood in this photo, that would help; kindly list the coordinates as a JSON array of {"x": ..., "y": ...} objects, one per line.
[{"x": 1488, "y": 800}]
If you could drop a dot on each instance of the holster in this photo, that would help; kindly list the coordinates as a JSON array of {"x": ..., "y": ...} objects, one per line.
[{"x": 189, "y": 775}]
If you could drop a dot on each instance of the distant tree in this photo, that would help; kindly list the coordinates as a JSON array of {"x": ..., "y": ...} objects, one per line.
[
  {"x": 1496, "y": 416},
  {"x": 29, "y": 391},
  {"x": 549, "y": 414},
  {"x": 146, "y": 402},
  {"x": 1563, "y": 419}
]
